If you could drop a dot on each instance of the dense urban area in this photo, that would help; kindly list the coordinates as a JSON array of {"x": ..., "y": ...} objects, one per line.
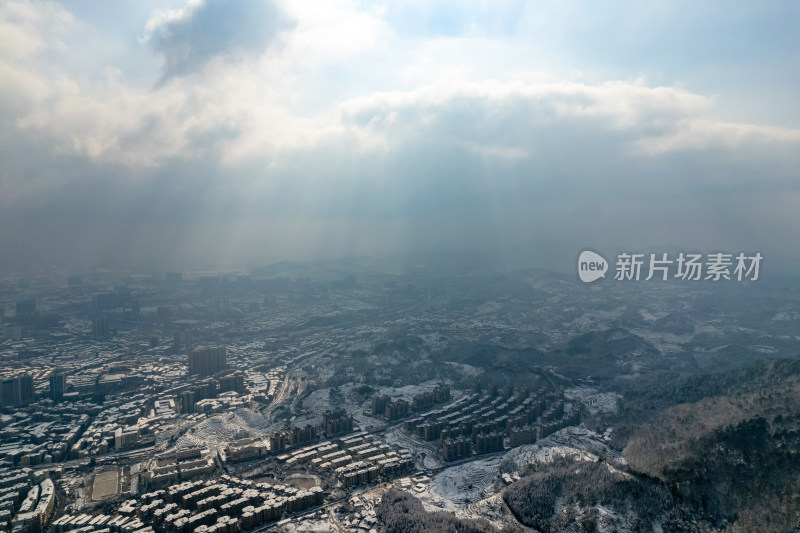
[{"x": 433, "y": 393}]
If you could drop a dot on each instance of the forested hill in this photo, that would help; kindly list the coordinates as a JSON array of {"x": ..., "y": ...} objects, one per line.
[
  {"x": 651, "y": 394},
  {"x": 717, "y": 452},
  {"x": 735, "y": 453}
]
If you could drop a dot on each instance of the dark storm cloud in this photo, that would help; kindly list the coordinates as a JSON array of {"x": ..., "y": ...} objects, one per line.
[{"x": 206, "y": 29}]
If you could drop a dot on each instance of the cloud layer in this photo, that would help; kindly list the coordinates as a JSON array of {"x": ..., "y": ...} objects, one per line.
[
  {"x": 282, "y": 130},
  {"x": 205, "y": 30}
]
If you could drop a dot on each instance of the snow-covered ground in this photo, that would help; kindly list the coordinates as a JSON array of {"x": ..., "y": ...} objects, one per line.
[
  {"x": 465, "y": 370},
  {"x": 321, "y": 524},
  {"x": 472, "y": 490},
  {"x": 469, "y": 482},
  {"x": 425, "y": 454},
  {"x": 603, "y": 402},
  {"x": 594, "y": 320},
  {"x": 354, "y": 403},
  {"x": 215, "y": 431},
  {"x": 408, "y": 392},
  {"x": 664, "y": 342}
]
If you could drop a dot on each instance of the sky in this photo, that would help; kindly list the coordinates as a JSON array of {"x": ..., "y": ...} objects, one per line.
[{"x": 167, "y": 134}]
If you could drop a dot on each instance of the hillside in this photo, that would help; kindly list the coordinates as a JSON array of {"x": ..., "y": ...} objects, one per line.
[{"x": 734, "y": 456}]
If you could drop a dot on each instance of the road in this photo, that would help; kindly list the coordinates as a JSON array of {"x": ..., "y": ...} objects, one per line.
[{"x": 286, "y": 386}]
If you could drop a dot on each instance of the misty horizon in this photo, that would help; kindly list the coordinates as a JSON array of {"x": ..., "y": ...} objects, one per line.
[{"x": 166, "y": 134}]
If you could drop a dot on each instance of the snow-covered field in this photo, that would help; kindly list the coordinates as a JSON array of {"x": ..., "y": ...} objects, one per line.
[
  {"x": 604, "y": 402},
  {"x": 465, "y": 370},
  {"x": 594, "y": 320},
  {"x": 664, "y": 342},
  {"x": 409, "y": 391},
  {"x": 215, "y": 431},
  {"x": 320, "y": 401}
]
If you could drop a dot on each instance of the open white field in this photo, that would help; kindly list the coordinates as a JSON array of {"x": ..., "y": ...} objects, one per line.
[{"x": 106, "y": 485}]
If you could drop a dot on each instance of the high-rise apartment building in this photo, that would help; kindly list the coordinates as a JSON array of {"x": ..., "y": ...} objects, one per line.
[{"x": 207, "y": 361}]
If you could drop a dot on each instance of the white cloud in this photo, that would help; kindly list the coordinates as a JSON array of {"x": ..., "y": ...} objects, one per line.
[
  {"x": 256, "y": 110},
  {"x": 21, "y": 26},
  {"x": 330, "y": 32},
  {"x": 697, "y": 133},
  {"x": 190, "y": 37},
  {"x": 28, "y": 29},
  {"x": 351, "y": 130},
  {"x": 245, "y": 111},
  {"x": 649, "y": 120}
]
